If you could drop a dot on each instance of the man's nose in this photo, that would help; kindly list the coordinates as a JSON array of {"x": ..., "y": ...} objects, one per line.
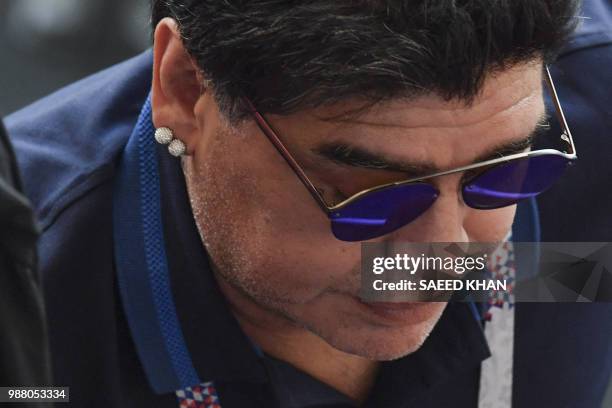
[{"x": 444, "y": 221}]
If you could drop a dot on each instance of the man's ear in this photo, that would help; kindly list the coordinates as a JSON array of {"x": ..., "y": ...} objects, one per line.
[{"x": 177, "y": 84}]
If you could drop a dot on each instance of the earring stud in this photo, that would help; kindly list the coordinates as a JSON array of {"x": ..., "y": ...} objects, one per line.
[
  {"x": 165, "y": 136},
  {"x": 177, "y": 148}
]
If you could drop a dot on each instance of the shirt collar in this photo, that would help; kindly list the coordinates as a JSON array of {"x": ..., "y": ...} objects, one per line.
[{"x": 181, "y": 325}]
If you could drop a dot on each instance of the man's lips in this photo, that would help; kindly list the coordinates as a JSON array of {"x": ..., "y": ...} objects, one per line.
[{"x": 403, "y": 313}]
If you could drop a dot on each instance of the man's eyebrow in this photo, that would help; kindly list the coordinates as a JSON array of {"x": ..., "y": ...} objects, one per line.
[{"x": 355, "y": 156}]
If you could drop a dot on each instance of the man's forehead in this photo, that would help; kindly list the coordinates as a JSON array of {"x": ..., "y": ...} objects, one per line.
[
  {"x": 429, "y": 134},
  {"x": 503, "y": 92},
  {"x": 424, "y": 132}
]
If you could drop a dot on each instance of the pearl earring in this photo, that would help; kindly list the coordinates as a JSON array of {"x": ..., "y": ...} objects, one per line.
[{"x": 165, "y": 136}]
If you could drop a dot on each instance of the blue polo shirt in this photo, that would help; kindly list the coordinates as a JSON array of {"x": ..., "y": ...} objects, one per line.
[{"x": 136, "y": 317}]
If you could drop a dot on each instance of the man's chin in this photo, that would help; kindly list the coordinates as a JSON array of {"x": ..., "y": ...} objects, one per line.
[
  {"x": 386, "y": 352},
  {"x": 378, "y": 342}
]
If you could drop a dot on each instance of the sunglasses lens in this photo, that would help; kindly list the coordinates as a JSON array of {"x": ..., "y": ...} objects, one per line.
[
  {"x": 381, "y": 212},
  {"x": 513, "y": 181}
]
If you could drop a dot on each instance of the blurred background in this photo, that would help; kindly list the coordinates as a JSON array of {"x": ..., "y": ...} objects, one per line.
[{"x": 46, "y": 44}]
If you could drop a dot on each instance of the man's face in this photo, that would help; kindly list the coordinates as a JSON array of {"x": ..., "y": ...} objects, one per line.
[{"x": 271, "y": 245}]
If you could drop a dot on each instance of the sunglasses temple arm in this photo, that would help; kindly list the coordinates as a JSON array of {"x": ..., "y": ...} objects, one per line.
[
  {"x": 280, "y": 147},
  {"x": 559, "y": 109}
]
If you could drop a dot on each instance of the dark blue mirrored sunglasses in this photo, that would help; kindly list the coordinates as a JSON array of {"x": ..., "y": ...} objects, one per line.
[{"x": 383, "y": 209}]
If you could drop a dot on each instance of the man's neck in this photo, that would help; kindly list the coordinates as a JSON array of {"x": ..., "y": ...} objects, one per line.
[
  {"x": 352, "y": 375},
  {"x": 349, "y": 374}
]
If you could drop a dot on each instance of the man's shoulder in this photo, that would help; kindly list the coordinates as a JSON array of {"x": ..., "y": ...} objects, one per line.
[{"x": 67, "y": 143}]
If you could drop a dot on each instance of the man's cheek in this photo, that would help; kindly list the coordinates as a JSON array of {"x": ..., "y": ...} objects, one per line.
[
  {"x": 490, "y": 225},
  {"x": 298, "y": 275}
]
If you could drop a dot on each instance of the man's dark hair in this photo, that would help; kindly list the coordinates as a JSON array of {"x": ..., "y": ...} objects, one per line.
[{"x": 288, "y": 55}]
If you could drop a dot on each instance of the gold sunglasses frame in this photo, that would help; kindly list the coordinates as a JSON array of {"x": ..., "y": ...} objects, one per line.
[{"x": 269, "y": 132}]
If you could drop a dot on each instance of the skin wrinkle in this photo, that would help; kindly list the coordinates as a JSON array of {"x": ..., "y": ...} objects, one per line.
[
  {"x": 421, "y": 109},
  {"x": 525, "y": 100}
]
